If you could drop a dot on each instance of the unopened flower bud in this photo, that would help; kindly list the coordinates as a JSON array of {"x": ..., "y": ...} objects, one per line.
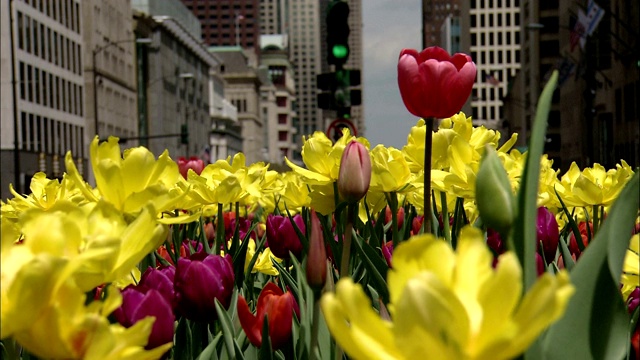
[
  {"x": 494, "y": 197},
  {"x": 355, "y": 172},
  {"x": 317, "y": 257}
]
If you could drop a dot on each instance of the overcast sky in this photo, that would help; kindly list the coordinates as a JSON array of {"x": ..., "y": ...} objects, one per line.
[{"x": 389, "y": 26}]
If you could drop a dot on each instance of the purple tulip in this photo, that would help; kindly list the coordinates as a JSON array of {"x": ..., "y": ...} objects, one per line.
[
  {"x": 387, "y": 252},
  {"x": 634, "y": 300},
  {"x": 548, "y": 233},
  {"x": 139, "y": 302},
  {"x": 494, "y": 242},
  {"x": 199, "y": 280},
  {"x": 282, "y": 236},
  {"x": 160, "y": 280}
]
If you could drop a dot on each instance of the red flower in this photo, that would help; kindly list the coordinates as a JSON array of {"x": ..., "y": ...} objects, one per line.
[
  {"x": 573, "y": 244},
  {"x": 278, "y": 307},
  {"x": 434, "y": 84},
  {"x": 317, "y": 256},
  {"x": 355, "y": 172},
  {"x": 194, "y": 163}
]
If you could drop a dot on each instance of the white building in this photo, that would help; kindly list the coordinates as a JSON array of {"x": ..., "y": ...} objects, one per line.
[
  {"x": 491, "y": 34},
  {"x": 42, "y": 89}
]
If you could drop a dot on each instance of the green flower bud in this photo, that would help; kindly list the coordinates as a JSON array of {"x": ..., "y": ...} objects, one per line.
[{"x": 495, "y": 200}]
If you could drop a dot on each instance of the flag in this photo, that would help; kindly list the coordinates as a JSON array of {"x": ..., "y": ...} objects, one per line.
[
  {"x": 239, "y": 17},
  {"x": 490, "y": 79},
  {"x": 594, "y": 14},
  {"x": 579, "y": 32}
]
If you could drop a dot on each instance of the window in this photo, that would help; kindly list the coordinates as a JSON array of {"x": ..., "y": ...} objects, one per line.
[
  {"x": 29, "y": 83},
  {"x": 281, "y": 101},
  {"x": 27, "y": 33},
  {"x": 23, "y": 85},
  {"x": 282, "y": 118},
  {"x": 20, "y": 31},
  {"x": 36, "y": 84},
  {"x": 282, "y": 136}
]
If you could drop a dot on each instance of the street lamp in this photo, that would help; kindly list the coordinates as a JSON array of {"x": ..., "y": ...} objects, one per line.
[{"x": 94, "y": 54}]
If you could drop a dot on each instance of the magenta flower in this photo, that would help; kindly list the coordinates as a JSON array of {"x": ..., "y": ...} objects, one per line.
[
  {"x": 548, "y": 234},
  {"x": 282, "y": 237},
  {"x": 139, "y": 302},
  {"x": 199, "y": 280}
]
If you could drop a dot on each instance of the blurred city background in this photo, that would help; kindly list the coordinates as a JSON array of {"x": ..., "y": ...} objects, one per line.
[{"x": 211, "y": 78}]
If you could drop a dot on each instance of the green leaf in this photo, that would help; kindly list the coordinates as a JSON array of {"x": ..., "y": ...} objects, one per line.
[
  {"x": 595, "y": 325},
  {"x": 209, "y": 353},
  {"x": 182, "y": 348},
  {"x": 523, "y": 235},
  {"x": 566, "y": 255},
  {"x": 572, "y": 223},
  {"x": 265, "y": 352},
  {"x": 227, "y": 328},
  {"x": 378, "y": 280}
]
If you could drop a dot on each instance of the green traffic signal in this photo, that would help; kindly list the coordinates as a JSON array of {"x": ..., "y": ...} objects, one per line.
[{"x": 340, "y": 51}]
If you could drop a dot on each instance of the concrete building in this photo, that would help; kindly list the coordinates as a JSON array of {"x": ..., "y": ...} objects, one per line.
[
  {"x": 226, "y": 131},
  {"x": 42, "y": 90},
  {"x": 175, "y": 82},
  {"x": 239, "y": 71},
  {"x": 228, "y": 22},
  {"x": 109, "y": 71},
  {"x": 490, "y": 33},
  {"x": 595, "y": 111},
  {"x": 278, "y": 98}
]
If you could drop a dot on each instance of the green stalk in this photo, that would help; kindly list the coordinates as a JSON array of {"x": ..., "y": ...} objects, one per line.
[
  {"x": 445, "y": 217},
  {"x": 346, "y": 242},
  {"x": 220, "y": 232},
  {"x": 428, "y": 141},
  {"x": 315, "y": 325},
  {"x": 393, "y": 204},
  {"x": 596, "y": 218}
]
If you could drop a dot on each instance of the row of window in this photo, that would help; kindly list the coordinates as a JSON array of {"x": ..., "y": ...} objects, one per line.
[
  {"x": 39, "y": 40},
  {"x": 494, "y": 112},
  {"x": 43, "y": 88},
  {"x": 491, "y": 20},
  {"x": 66, "y": 12},
  {"x": 483, "y": 4},
  {"x": 241, "y": 105},
  {"x": 491, "y": 37},
  {"x": 496, "y": 57},
  {"x": 50, "y": 136}
]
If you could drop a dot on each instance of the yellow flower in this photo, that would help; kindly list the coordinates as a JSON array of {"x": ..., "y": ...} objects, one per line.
[
  {"x": 389, "y": 170},
  {"x": 294, "y": 193},
  {"x": 130, "y": 181},
  {"x": 630, "y": 278},
  {"x": 449, "y": 305},
  {"x": 263, "y": 263},
  {"x": 593, "y": 186},
  {"x": 46, "y": 194}
]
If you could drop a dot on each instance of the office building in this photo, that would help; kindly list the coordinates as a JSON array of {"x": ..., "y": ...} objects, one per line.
[
  {"x": 436, "y": 14},
  {"x": 42, "y": 90},
  {"x": 490, "y": 33}
]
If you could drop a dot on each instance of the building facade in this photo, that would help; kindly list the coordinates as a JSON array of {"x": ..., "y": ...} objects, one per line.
[
  {"x": 226, "y": 132},
  {"x": 228, "y": 22},
  {"x": 435, "y": 14},
  {"x": 279, "y": 110},
  {"x": 174, "y": 82},
  {"x": 595, "y": 112},
  {"x": 42, "y": 100},
  {"x": 490, "y": 33},
  {"x": 242, "y": 89}
]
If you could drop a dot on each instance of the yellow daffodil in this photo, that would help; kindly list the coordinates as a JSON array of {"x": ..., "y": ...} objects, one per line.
[
  {"x": 593, "y": 186},
  {"x": 129, "y": 181},
  {"x": 294, "y": 193},
  {"x": 449, "y": 305},
  {"x": 630, "y": 278},
  {"x": 389, "y": 170},
  {"x": 263, "y": 263}
]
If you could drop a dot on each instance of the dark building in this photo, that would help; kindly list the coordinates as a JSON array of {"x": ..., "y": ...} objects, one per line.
[
  {"x": 228, "y": 22},
  {"x": 434, "y": 16}
]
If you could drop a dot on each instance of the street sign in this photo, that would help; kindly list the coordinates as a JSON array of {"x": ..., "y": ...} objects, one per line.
[{"x": 334, "y": 131}]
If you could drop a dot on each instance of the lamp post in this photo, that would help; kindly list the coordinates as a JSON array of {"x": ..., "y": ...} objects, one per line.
[{"x": 94, "y": 55}]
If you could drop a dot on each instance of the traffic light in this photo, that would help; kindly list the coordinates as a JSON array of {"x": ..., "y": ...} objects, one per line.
[
  {"x": 337, "y": 32},
  {"x": 184, "y": 134}
]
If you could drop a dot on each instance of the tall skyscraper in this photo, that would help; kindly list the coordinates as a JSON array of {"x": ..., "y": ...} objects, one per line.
[
  {"x": 42, "y": 90},
  {"x": 490, "y": 33},
  {"x": 228, "y": 22}
]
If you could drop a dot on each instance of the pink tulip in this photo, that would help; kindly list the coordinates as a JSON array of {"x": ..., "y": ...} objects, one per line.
[
  {"x": 434, "y": 84},
  {"x": 194, "y": 163},
  {"x": 355, "y": 172}
]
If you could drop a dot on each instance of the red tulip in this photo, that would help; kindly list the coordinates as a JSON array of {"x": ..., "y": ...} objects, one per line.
[
  {"x": 573, "y": 244},
  {"x": 434, "y": 84},
  {"x": 317, "y": 257},
  {"x": 194, "y": 163},
  {"x": 355, "y": 172},
  {"x": 278, "y": 307}
]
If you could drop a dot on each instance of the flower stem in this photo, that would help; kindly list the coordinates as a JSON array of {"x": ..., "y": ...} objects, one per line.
[
  {"x": 393, "y": 205},
  {"x": 220, "y": 232},
  {"x": 426, "y": 223},
  {"x": 346, "y": 242},
  {"x": 315, "y": 325}
]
